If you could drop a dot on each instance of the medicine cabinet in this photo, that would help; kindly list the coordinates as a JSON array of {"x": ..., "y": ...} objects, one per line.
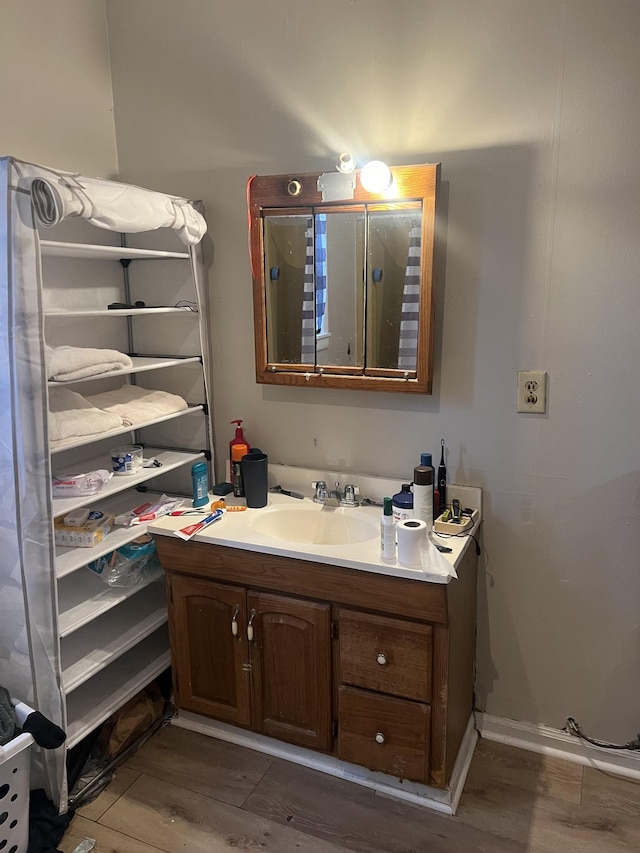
[{"x": 343, "y": 286}]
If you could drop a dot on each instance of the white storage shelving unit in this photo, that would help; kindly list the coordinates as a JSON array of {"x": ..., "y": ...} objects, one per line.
[{"x": 114, "y": 640}]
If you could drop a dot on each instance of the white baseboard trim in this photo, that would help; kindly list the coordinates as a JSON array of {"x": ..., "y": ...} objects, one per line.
[
  {"x": 547, "y": 741},
  {"x": 444, "y": 801}
]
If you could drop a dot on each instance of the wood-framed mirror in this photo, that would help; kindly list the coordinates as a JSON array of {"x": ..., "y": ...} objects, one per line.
[{"x": 343, "y": 288}]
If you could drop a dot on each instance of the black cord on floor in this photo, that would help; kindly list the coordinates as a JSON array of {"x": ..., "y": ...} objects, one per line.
[{"x": 573, "y": 728}]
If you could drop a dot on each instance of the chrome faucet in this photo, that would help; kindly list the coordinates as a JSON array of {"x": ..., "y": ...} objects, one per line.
[
  {"x": 336, "y": 493},
  {"x": 334, "y": 496}
]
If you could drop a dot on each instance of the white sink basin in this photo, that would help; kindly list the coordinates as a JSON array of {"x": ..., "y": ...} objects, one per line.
[{"x": 317, "y": 526}]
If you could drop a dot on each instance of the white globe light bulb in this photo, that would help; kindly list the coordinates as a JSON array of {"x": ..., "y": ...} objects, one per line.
[{"x": 375, "y": 177}]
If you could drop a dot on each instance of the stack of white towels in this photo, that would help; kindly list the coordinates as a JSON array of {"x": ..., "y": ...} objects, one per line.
[
  {"x": 67, "y": 364},
  {"x": 72, "y": 416}
]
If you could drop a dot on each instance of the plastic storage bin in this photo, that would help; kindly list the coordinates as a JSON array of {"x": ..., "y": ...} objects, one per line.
[{"x": 14, "y": 788}]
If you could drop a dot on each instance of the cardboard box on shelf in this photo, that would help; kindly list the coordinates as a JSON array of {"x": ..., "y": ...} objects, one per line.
[{"x": 87, "y": 535}]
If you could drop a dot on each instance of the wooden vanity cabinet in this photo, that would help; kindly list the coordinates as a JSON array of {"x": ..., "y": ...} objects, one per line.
[
  {"x": 374, "y": 669},
  {"x": 253, "y": 659}
]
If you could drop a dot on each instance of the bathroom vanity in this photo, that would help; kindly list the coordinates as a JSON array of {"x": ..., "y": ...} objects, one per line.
[{"x": 371, "y": 665}]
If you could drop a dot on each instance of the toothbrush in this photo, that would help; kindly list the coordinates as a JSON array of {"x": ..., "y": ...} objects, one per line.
[{"x": 442, "y": 480}]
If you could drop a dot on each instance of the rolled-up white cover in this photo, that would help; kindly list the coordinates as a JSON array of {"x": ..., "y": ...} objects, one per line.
[
  {"x": 109, "y": 204},
  {"x": 115, "y": 207}
]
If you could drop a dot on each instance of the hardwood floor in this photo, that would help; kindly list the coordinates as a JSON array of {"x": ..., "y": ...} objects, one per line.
[{"x": 186, "y": 792}]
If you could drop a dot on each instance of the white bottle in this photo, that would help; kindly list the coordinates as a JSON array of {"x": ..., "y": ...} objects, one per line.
[
  {"x": 387, "y": 533},
  {"x": 423, "y": 494}
]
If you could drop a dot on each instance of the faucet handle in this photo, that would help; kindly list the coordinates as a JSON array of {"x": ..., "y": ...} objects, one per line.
[
  {"x": 350, "y": 492},
  {"x": 322, "y": 493}
]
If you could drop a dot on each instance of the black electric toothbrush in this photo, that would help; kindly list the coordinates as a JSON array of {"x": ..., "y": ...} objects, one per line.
[{"x": 442, "y": 480}]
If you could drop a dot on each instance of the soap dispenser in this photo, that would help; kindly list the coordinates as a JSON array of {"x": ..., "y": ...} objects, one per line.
[
  {"x": 387, "y": 533},
  {"x": 238, "y": 440}
]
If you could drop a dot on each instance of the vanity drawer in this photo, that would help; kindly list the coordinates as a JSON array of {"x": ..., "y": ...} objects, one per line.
[
  {"x": 384, "y": 733},
  {"x": 385, "y": 654}
]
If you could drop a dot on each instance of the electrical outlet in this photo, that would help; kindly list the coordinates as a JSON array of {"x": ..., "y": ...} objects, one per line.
[{"x": 532, "y": 391}]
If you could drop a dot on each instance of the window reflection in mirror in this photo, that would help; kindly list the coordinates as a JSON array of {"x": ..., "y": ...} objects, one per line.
[{"x": 314, "y": 273}]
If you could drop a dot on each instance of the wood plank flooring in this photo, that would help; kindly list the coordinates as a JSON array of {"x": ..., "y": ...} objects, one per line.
[{"x": 184, "y": 792}]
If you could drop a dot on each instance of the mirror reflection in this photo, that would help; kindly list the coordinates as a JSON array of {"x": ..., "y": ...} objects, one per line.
[
  {"x": 393, "y": 290},
  {"x": 320, "y": 281},
  {"x": 343, "y": 294},
  {"x": 314, "y": 268}
]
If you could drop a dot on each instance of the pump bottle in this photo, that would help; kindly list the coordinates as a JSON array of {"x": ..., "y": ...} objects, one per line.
[
  {"x": 237, "y": 452},
  {"x": 387, "y": 533},
  {"x": 237, "y": 440}
]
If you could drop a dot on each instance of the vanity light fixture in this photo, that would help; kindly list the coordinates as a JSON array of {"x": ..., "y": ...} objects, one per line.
[
  {"x": 375, "y": 176},
  {"x": 346, "y": 163}
]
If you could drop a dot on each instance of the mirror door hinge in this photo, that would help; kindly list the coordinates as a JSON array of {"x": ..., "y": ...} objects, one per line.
[
  {"x": 334, "y": 729},
  {"x": 333, "y": 632}
]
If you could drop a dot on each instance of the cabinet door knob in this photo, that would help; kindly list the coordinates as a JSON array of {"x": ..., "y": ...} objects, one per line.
[
  {"x": 234, "y": 621},
  {"x": 380, "y": 738},
  {"x": 250, "y": 626},
  {"x": 381, "y": 658}
]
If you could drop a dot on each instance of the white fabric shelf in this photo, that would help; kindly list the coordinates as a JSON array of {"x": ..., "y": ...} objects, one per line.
[
  {"x": 140, "y": 365},
  {"x": 58, "y": 249},
  {"x": 84, "y": 597},
  {"x": 97, "y": 645},
  {"x": 95, "y": 701},
  {"x": 91, "y": 439},
  {"x": 170, "y": 460},
  {"x": 93, "y": 646}
]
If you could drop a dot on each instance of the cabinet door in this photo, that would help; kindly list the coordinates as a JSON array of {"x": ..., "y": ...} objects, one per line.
[
  {"x": 209, "y": 659},
  {"x": 291, "y": 670}
]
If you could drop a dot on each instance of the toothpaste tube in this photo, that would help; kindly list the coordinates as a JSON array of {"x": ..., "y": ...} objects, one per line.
[
  {"x": 187, "y": 532},
  {"x": 148, "y": 512}
]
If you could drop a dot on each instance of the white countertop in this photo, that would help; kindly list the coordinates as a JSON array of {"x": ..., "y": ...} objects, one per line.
[{"x": 234, "y": 530}]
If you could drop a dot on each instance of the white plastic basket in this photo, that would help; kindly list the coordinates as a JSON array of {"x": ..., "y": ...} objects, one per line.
[{"x": 14, "y": 788}]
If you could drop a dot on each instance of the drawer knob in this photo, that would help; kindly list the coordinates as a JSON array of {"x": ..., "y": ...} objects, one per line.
[
  {"x": 380, "y": 738},
  {"x": 382, "y": 659}
]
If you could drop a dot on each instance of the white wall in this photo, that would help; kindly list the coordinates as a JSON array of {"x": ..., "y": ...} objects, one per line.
[
  {"x": 532, "y": 110},
  {"x": 56, "y": 104}
]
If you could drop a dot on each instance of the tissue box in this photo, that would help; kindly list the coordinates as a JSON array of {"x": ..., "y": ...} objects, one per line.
[{"x": 87, "y": 535}]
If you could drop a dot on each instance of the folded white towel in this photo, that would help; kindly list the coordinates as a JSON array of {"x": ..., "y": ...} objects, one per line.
[
  {"x": 70, "y": 363},
  {"x": 113, "y": 206},
  {"x": 72, "y": 417},
  {"x": 136, "y": 405}
]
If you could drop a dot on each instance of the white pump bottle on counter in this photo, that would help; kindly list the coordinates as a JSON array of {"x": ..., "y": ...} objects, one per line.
[{"x": 387, "y": 533}]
